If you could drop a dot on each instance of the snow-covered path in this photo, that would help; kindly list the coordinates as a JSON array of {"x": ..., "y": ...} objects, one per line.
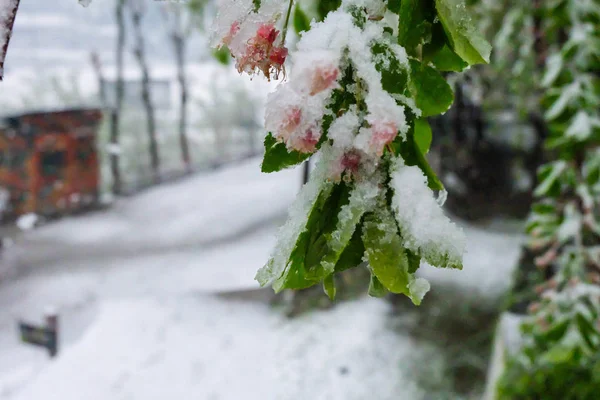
[
  {"x": 205, "y": 234},
  {"x": 132, "y": 286}
]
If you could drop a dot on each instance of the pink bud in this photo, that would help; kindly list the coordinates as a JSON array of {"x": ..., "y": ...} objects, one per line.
[
  {"x": 233, "y": 30},
  {"x": 351, "y": 161},
  {"x": 323, "y": 78},
  {"x": 293, "y": 117},
  {"x": 383, "y": 134},
  {"x": 278, "y": 55},
  {"x": 267, "y": 32},
  {"x": 306, "y": 143}
]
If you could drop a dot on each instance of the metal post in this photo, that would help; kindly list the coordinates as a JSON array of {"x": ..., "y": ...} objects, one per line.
[
  {"x": 52, "y": 326},
  {"x": 306, "y": 172}
]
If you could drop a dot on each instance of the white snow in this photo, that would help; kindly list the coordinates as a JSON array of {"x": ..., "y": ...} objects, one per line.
[
  {"x": 206, "y": 207},
  {"x": 204, "y": 348},
  {"x": 422, "y": 223},
  {"x": 137, "y": 320},
  {"x": 27, "y": 221}
]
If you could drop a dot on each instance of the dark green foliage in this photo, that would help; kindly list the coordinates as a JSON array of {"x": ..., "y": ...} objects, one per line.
[{"x": 278, "y": 157}]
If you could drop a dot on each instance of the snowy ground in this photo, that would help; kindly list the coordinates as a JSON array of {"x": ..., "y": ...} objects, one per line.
[{"x": 132, "y": 286}]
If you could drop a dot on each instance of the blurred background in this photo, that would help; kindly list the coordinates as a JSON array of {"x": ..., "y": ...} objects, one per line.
[{"x": 135, "y": 213}]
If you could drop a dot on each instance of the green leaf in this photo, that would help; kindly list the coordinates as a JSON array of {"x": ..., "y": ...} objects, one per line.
[
  {"x": 415, "y": 23},
  {"x": 376, "y": 289},
  {"x": 447, "y": 60},
  {"x": 437, "y": 42},
  {"x": 462, "y": 34},
  {"x": 222, "y": 55},
  {"x": 348, "y": 216},
  {"x": 394, "y": 6},
  {"x": 557, "y": 354},
  {"x": 301, "y": 21},
  {"x": 543, "y": 208},
  {"x": 352, "y": 256},
  {"x": 432, "y": 93},
  {"x": 295, "y": 276},
  {"x": 318, "y": 248},
  {"x": 412, "y": 155},
  {"x": 423, "y": 135},
  {"x": 326, "y": 6},
  {"x": 329, "y": 287},
  {"x": 256, "y": 4},
  {"x": 384, "y": 251},
  {"x": 277, "y": 156},
  {"x": 587, "y": 330},
  {"x": 394, "y": 75},
  {"x": 557, "y": 331},
  {"x": 414, "y": 261},
  {"x": 548, "y": 177}
]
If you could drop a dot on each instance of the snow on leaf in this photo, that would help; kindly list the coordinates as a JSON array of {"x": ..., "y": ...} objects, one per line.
[
  {"x": 298, "y": 216},
  {"x": 567, "y": 95},
  {"x": 554, "y": 65},
  {"x": 462, "y": 34},
  {"x": 423, "y": 226},
  {"x": 362, "y": 200},
  {"x": 582, "y": 126},
  {"x": 385, "y": 252}
]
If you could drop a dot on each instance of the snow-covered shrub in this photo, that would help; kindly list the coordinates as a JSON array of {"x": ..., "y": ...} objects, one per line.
[
  {"x": 357, "y": 90},
  {"x": 560, "y": 359}
]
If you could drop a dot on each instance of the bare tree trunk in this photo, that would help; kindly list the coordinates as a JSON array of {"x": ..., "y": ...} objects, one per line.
[
  {"x": 140, "y": 54},
  {"x": 97, "y": 64},
  {"x": 119, "y": 92},
  {"x": 179, "y": 44}
]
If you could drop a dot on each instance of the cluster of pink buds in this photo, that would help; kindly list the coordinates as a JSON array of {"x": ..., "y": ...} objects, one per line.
[
  {"x": 296, "y": 109},
  {"x": 295, "y": 134},
  {"x": 260, "y": 53}
]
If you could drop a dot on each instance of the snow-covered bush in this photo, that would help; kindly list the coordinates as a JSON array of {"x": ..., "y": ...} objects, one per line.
[
  {"x": 560, "y": 359},
  {"x": 357, "y": 90}
]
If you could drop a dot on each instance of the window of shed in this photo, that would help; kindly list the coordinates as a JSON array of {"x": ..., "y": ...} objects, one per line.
[{"x": 53, "y": 163}]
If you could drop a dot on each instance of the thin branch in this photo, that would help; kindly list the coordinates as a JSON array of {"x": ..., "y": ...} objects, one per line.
[{"x": 7, "y": 21}]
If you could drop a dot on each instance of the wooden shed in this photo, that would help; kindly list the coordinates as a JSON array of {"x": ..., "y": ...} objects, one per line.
[{"x": 49, "y": 161}]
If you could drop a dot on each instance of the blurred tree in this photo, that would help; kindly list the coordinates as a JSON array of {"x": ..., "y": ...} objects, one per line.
[
  {"x": 118, "y": 101},
  {"x": 490, "y": 143},
  {"x": 137, "y": 9},
  {"x": 180, "y": 23}
]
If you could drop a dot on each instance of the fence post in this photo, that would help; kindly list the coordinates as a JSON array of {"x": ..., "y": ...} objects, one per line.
[{"x": 52, "y": 325}]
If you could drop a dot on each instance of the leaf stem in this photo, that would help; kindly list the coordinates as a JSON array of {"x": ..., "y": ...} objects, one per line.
[{"x": 286, "y": 23}]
